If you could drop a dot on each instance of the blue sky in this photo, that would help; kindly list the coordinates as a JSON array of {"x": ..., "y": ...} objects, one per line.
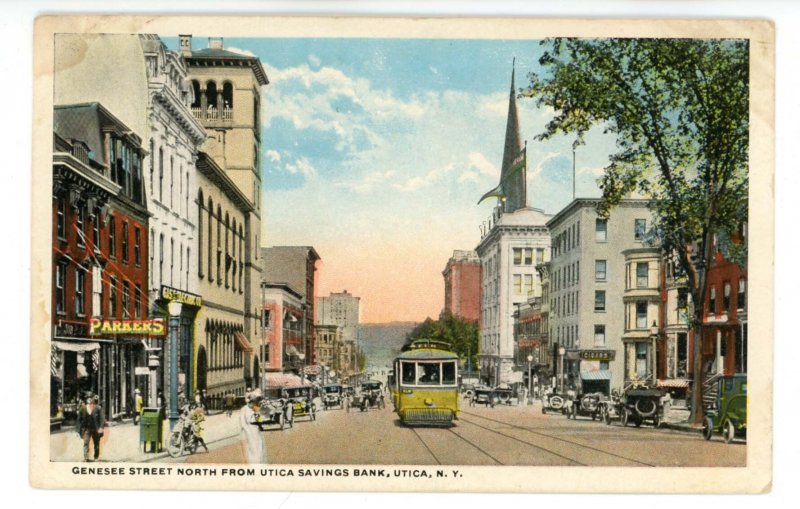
[{"x": 375, "y": 151}]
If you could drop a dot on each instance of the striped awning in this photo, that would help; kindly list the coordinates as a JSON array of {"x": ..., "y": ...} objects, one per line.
[
  {"x": 282, "y": 380},
  {"x": 243, "y": 343},
  {"x": 674, "y": 383},
  {"x": 601, "y": 374}
]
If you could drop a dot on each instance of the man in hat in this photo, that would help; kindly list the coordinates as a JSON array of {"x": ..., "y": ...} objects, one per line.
[
  {"x": 139, "y": 402},
  {"x": 90, "y": 427}
]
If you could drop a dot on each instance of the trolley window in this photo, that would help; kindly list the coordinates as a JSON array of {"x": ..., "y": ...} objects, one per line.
[
  {"x": 449, "y": 372},
  {"x": 428, "y": 373},
  {"x": 408, "y": 372}
]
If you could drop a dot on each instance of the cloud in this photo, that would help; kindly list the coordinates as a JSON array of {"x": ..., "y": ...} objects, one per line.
[
  {"x": 369, "y": 183},
  {"x": 314, "y": 60},
  {"x": 240, "y": 51},
  {"x": 302, "y": 167},
  {"x": 479, "y": 162},
  {"x": 540, "y": 165},
  {"x": 273, "y": 155}
]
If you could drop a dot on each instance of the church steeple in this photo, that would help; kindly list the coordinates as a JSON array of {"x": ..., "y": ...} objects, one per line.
[{"x": 512, "y": 189}]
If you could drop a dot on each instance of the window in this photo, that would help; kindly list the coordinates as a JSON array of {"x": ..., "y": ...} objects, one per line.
[
  {"x": 599, "y": 335},
  {"x": 61, "y": 287},
  {"x": 96, "y": 232},
  {"x": 599, "y": 301},
  {"x": 726, "y": 295},
  {"x": 600, "y": 230},
  {"x": 161, "y": 175},
  {"x": 639, "y": 227},
  {"x": 539, "y": 256},
  {"x": 641, "y": 315},
  {"x": 112, "y": 297},
  {"x": 171, "y": 260},
  {"x": 528, "y": 284},
  {"x": 741, "y": 297},
  {"x": 408, "y": 372},
  {"x": 97, "y": 291},
  {"x": 200, "y": 235},
  {"x": 80, "y": 222},
  {"x": 112, "y": 237},
  {"x": 80, "y": 283},
  {"x": 641, "y": 360},
  {"x": 137, "y": 246},
  {"x": 428, "y": 373},
  {"x": 61, "y": 218},
  {"x": 641, "y": 274},
  {"x": 161, "y": 259},
  {"x": 528, "y": 256},
  {"x": 517, "y": 256},
  {"x": 683, "y": 298},
  {"x": 125, "y": 242},
  {"x": 517, "y": 284},
  {"x": 126, "y": 299},
  {"x": 152, "y": 164},
  {"x": 137, "y": 302},
  {"x": 712, "y": 301},
  {"x": 600, "y": 270},
  {"x": 171, "y": 181}
]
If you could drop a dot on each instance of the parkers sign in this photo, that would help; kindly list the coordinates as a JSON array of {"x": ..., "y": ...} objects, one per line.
[{"x": 154, "y": 327}]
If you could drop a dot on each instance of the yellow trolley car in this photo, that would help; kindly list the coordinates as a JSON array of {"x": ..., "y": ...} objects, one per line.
[{"x": 426, "y": 384}]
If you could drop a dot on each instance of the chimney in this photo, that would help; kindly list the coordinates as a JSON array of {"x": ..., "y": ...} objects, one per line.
[
  {"x": 215, "y": 43},
  {"x": 186, "y": 45}
]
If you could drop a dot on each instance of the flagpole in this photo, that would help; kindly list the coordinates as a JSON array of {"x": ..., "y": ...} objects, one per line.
[{"x": 574, "y": 145}]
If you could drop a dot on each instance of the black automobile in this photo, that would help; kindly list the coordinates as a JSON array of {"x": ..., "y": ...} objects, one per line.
[
  {"x": 332, "y": 396},
  {"x": 641, "y": 404},
  {"x": 586, "y": 405},
  {"x": 483, "y": 395}
]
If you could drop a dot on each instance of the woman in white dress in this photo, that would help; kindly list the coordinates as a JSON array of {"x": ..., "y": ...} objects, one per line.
[{"x": 255, "y": 450}]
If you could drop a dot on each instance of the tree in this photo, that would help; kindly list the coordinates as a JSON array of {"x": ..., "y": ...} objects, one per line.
[
  {"x": 679, "y": 110},
  {"x": 462, "y": 335}
]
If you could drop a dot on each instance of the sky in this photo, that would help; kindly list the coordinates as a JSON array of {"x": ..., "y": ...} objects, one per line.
[{"x": 376, "y": 151}]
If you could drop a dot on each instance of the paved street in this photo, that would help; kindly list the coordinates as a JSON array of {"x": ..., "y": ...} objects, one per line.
[{"x": 504, "y": 435}]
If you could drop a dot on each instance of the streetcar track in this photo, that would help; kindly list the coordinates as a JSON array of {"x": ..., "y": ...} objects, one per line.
[
  {"x": 552, "y": 437},
  {"x": 475, "y": 446},
  {"x": 426, "y": 447}
]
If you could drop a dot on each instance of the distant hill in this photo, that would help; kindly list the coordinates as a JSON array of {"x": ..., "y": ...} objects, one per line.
[{"x": 381, "y": 342}]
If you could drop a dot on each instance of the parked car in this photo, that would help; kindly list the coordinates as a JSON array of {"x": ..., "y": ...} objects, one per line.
[
  {"x": 301, "y": 398},
  {"x": 275, "y": 409},
  {"x": 332, "y": 396},
  {"x": 641, "y": 404},
  {"x": 552, "y": 402},
  {"x": 728, "y": 414},
  {"x": 503, "y": 394},
  {"x": 483, "y": 395},
  {"x": 587, "y": 405}
]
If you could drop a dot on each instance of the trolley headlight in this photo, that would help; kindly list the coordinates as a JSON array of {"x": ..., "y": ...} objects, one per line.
[{"x": 428, "y": 402}]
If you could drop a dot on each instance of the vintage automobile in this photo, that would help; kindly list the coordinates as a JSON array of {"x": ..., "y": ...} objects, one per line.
[
  {"x": 610, "y": 409},
  {"x": 728, "y": 413},
  {"x": 587, "y": 405},
  {"x": 640, "y": 404},
  {"x": 332, "y": 396},
  {"x": 275, "y": 409},
  {"x": 483, "y": 395},
  {"x": 552, "y": 401},
  {"x": 301, "y": 399},
  {"x": 503, "y": 394},
  {"x": 467, "y": 390},
  {"x": 369, "y": 395}
]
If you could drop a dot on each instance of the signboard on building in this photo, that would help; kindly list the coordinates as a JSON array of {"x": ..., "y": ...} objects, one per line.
[
  {"x": 173, "y": 294},
  {"x": 597, "y": 355},
  {"x": 154, "y": 327},
  {"x": 64, "y": 329},
  {"x": 528, "y": 343}
]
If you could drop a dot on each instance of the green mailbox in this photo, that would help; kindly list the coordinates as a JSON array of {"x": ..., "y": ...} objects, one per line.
[{"x": 150, "y": 429}]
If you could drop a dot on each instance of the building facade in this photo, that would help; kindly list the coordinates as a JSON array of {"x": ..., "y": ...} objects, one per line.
[
  {"x": 342, "y": 309},
  {"x": 587, "y": 288},
  {"x": 643, "y": 319},
  {"x": 296, "y": 266},
  {"x": 282, "y": 347},
  {"x": 512, "y": 248},
  {"x": 100, "y": 256},
  {"x": 462, "y": 285}
]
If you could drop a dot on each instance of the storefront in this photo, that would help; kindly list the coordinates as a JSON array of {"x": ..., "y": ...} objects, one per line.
[{"x": 595, "y": 370}]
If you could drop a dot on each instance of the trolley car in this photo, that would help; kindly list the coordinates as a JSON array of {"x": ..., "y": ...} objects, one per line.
[{"x": 426, "y": 384}]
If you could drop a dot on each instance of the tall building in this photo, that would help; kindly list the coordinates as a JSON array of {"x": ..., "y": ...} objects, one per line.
[
  {"x": 342, "y": 309},
  {"x": 462, "y": 285},
  {"x": 100, "y": 256},
  {"x": 513, "y": 244},
  {"x": 589, "y": 280},
  {"x": 226, "y": 92},
  {"x": 296, "y": 266}
]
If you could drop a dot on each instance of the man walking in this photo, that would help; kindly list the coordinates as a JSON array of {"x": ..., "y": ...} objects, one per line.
[
  {"x": 139, "y": 402},
  {"x": 90, "y": 427}
]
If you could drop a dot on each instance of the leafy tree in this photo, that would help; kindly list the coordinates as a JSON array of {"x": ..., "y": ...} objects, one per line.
[
  {"x": 679, "y": 110},
  {"x": 462, "y": 335}
]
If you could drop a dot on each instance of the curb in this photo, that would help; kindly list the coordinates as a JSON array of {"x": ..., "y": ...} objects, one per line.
[
  {"x": 685, "y": 427},
  {"x": 161, "y": 455}
]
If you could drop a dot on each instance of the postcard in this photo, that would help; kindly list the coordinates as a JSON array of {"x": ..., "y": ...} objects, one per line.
[{"x": 402, "y": 254}]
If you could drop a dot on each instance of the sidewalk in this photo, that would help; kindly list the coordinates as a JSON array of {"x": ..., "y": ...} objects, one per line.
[
  {"x": 677, "y": 418},
  {"x": 122, "y": 441}
]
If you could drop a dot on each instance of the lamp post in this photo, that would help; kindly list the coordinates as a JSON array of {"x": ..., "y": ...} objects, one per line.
[
  {"x": 654, "y": 359},
  {"x": 561, "y": 352},
  {"x": 530, "y": 380},
  {"x": 174, "y": 308}
]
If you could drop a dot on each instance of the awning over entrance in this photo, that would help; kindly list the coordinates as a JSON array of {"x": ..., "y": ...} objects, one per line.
[
  {"x": 602, "y": 374},
  {"x": 674, "y": 383},
  {"x": 282, "y": 380},
  {"x": 87, "y": 346},
  {"x": 243, "y": 343}
]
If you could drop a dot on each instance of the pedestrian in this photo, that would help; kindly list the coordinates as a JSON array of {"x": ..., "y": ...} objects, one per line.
[
  {"x": 253, "y": 446},
  {"x": 229, "y": 402},
  {"x": 90, "y": 427},
  {"x": 139, "y": 406},
  {"x": 198, "y": 419},
  {"x": 525, "y": 395},
  {"x": 162, "y": 404}
]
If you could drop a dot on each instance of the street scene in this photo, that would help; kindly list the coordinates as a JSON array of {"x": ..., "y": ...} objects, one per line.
[{"x": 355, "y": 252}]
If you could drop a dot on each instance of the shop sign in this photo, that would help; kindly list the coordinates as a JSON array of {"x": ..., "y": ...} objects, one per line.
[
  {"x": 71, "y": 329},
  {"x": 528, "y": 343},
  {"x": 597, "y": 355},
  {"x": 173, "y": 294},
  {"x": 153, "y": 327}
]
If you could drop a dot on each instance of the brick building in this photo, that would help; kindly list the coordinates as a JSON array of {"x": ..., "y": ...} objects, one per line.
[{"x": 462, "y": 285}]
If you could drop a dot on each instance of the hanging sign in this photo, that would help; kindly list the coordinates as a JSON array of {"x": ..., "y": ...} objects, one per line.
[{"x": 153, "y": 327}]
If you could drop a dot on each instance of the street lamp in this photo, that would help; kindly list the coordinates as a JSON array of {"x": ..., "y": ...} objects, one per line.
[
  {"x": 561, "y": 352},
  {"x": 174, "y": 309},
  {"x": 530, "y": 379},
  {"x": 654, "y": 360}
]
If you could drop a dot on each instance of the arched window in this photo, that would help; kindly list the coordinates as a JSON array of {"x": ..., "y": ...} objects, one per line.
[
  {"x": 213, "y": 100},
  {"x": 161, "y": 175},
  {"x": 241, "y": 259},
  {"x": 219, "y": 246},
  {"x": 227, "y": 251},
  {"x": 210, "y": 239},
  {"x": 195, "y": 94},
  {"x": 200, "y": 233},
  {"x": 234, "y": 260},
  {"x": 227, "y": 101}
]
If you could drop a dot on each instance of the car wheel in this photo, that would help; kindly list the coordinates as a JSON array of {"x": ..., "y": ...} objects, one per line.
[
  {"x": 175, "y": 444},
  {"x": 608, "y": 418},
  {"x": 708, "y": 428},
  {"x": 656, "y": 420},
  {"x": 728, "y": 431},
  {"x": 624, "y": 417}
]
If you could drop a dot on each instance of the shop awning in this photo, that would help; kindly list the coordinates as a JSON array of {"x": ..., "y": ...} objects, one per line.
[
  {"x": 85, "y": 346},
  {"x": 312, "y": 370},
  {"x": 674, "y": 383},
  {"x": 602, "y": 374},
  {"x": 282, "y": 380},
  {"x": 243, "y": 343}
]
